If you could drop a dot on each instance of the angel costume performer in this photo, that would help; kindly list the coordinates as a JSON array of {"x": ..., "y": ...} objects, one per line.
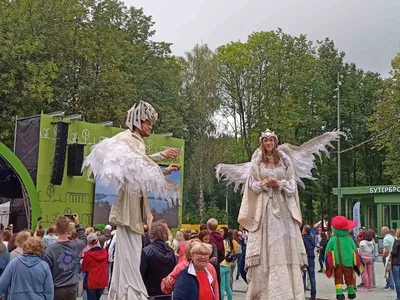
[
  {"x": 122, "y": 161},
  {"x": 270, "y": 211}
]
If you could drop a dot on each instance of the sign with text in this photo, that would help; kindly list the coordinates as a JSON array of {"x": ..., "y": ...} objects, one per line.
[{"x": 384, "y": 190}]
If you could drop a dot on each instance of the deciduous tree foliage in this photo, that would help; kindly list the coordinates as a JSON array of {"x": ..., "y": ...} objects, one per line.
[
  {"x": 387, "y": 116},
  {"x": 97, "y": 58},
  {"x": 91, "y": 57}
]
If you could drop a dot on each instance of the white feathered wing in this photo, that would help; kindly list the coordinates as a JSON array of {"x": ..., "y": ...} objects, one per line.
[
  {"x": 302, "y": 157},
  {"x": 115, "y": 163},
  {"x": 237, "y": 173}
]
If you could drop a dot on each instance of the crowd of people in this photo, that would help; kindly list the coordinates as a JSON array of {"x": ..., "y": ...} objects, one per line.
[
  {"x": 195, "y": 264},
  {"x": 191, "y": 264},
  {"x": 68, "y": 260},
  {"x": 48, "y": 264}
]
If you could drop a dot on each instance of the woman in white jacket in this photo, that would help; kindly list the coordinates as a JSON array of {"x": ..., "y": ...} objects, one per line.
[{"x": 366, "y": 248}]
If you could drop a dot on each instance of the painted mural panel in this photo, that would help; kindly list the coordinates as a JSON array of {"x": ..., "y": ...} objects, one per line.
[
  {"x": 76, "y": 193},
  {"x": 105, "y": 196}
]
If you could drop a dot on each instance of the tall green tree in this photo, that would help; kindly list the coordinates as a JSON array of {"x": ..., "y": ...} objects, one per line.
[
  {"x": 90, "y": 57},
  {"x": 199, "y": 102},
  {"x": 385, "y": 122}
]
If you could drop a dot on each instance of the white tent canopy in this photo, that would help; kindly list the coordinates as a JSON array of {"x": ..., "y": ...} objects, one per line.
[{"x": 319, "y": 224}]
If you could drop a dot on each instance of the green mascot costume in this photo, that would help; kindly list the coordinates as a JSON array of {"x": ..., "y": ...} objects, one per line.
[{"x": 342, "y": 260}]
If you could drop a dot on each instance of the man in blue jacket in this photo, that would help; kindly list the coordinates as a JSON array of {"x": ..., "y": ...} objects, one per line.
[{"x": 309, "y": 243}]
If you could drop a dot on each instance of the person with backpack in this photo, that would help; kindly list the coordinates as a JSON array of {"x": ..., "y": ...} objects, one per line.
[{"x": 225, "y": 265}]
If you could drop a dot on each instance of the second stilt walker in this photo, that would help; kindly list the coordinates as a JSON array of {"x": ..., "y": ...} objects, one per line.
[{"x": 271, "y": 212}]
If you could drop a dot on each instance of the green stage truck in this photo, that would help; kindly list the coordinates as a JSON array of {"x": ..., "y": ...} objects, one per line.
[{"x": 55, "y": 186}]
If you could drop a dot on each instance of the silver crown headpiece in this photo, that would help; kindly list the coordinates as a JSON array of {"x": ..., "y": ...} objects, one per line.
[
  {"x": 139, "y": 112},
  {"x": 268, "y": 134}
]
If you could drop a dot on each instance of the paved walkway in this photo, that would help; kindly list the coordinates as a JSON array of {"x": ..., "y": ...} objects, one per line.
[{"x": 326, "y": 288}]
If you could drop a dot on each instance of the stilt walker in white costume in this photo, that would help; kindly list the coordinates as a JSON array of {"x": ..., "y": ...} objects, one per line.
[
  {"x": 271, "y": 212},
  {"x": 122, "y": 161}
]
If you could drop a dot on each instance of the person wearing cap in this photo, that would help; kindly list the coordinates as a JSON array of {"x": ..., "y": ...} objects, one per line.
[
  {"x": 94, "y": 266},
  {"x": 106, "y": 236},
  {"x": 122, "y": 161},
  {"x": 342, "y": 258}
]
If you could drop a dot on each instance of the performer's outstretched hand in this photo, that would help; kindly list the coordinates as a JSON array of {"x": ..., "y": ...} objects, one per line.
[
  {"x": 170, "y": 153},
  {"x": 172, "y": 168}
]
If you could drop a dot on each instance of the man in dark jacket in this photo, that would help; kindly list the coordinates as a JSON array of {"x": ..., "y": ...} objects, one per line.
[
  {"x": 157, "y": 261},
  {"x": 309, "y": 243}
]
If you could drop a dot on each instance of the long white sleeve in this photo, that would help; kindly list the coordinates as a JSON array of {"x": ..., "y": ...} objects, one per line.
[
  {"x": 157, "y": 157},
  {"x": 256, "y": 186},
  {"x": 288, "y": 186}
]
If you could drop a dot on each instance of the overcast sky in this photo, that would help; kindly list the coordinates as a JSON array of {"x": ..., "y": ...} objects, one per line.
[{"x": 368, "y": 31}]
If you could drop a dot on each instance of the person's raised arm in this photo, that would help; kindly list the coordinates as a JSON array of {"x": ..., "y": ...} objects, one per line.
[
  {"x": 37, "y": 227},
  {"x": 82, "y": 239}
]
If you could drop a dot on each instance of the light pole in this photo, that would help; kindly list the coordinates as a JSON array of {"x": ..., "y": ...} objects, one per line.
[{"x": 339, "y": 166}]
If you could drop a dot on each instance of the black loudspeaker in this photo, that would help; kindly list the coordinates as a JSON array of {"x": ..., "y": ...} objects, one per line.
[
  {"x": 60, "y": 153},
  {"x": 75, "y": 159}
]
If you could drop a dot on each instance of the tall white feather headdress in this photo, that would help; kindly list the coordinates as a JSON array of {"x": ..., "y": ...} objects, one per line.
[{"x": 139, "y": 112}]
